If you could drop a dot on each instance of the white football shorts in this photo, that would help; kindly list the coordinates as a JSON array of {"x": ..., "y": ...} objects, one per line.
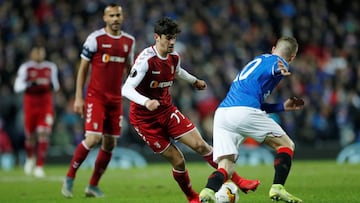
[{"x": 233, "y": 124}]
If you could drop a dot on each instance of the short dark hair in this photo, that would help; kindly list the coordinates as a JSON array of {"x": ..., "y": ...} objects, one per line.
[{"x": 166, "y": 26}]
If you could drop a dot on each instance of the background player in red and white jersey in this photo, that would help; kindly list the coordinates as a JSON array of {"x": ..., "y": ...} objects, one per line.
[
  {"x": 37, "y": 78},
  {"x": 110, "y": 53},
  {"x": 153, "y": 114}
]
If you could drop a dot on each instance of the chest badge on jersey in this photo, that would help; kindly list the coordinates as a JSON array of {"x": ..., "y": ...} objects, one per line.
[{"x": 126, "y": 48}]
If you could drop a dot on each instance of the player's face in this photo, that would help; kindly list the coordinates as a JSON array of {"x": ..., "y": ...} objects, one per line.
[
  {"x": 38, "y": 54},
  {"x": 166, "y": 43},
  {"x": 113, "y": 18}
]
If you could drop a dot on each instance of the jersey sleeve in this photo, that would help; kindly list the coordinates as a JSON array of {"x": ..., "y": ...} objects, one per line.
[
  {"x": 136, "y": 75},
  {"x": 89, "y": 47},
  {"x": 131, "y": 56},
  {"x": 20, "y": 81},
  {"x": 183, "y": 74},
  {"x": 272, "y": 108},
  {"x": 54, "y": 77},
  {"x": 275, "y": 67}
]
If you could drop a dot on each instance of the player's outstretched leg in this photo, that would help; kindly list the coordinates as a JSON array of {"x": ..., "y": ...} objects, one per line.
[
  {"x": 278, "y": 193},
  {"x": 67, "y": 187},
  {"x": 245, "y": 185}
]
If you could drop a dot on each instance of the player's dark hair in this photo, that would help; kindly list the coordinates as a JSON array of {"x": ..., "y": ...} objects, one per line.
[
  {"x": 166, "y": 26},
  {"x": 110, "y": 5}
]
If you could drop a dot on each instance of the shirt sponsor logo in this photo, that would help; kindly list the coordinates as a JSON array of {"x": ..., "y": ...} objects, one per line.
[
  {"x": 106, "y": 45},
  {"x": 155, "y": 72},
  {"x": 156, "y": 84},
  {"x": 107, "y": 58}
]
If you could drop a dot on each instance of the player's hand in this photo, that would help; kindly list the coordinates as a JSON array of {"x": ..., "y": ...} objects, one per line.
[
  {"x": 281, "y": 67},
  {"x": 294, "y": 103},
  {"x": 31, "y": 84},
  {"x": 200, "y": 84},
  {"x": 152, "y": 104},
  {"x": 79, "y": 106}
]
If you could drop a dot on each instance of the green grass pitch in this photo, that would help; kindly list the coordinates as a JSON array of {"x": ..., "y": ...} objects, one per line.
[{"x": 313, "y": 181}]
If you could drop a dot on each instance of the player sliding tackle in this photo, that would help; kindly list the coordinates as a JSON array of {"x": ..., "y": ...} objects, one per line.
[{"x": 243, "y": 114}]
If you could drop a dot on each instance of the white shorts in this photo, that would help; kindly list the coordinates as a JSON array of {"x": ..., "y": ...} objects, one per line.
[{"x": 233, "y": 124}]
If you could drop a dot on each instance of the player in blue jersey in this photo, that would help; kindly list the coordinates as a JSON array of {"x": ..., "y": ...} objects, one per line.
[{"x": 243, "y": 113}]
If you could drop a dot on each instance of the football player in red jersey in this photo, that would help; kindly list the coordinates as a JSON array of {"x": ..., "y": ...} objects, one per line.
[
  {"x": 154, "y": 116},
  {"x": 109, "y": 52},
  {"x": 37, "y": 78}
]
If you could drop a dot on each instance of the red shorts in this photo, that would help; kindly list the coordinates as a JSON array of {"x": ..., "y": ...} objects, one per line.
[
  {"x": 158, "y": 129},
  {"x": 38, "y": 113},
  {"x": 102, "y": 118}
]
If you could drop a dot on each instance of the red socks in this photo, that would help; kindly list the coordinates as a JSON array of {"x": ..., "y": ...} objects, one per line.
[
  {"x": 79, "y": 156},
  {"x": 182, "y": 178},
  {"x": 101, "y": 163},
  {"x": 42, "y": 149}
]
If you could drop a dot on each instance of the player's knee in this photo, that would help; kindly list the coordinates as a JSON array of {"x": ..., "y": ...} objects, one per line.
[
  {"x": 178, "y": 163},
  {"x": 108, "y": 146},
  {"x": 108, "y": 143},
  {"x": 92, "y": 140}
]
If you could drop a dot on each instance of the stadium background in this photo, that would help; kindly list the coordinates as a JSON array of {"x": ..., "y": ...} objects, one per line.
[{"x": 217, "y": 38}]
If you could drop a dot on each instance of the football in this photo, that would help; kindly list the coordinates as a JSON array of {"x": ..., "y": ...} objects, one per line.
[{"x": 228, "y": 193}]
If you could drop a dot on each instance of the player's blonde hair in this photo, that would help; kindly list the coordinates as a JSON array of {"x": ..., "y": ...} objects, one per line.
[{"x": 287, "y": 47}]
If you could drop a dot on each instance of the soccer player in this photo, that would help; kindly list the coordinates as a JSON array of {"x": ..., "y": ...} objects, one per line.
[
  {"x": 154, "y": 116},
  {"x": 37, "y": 79},
  {"x": 109, "y": 52},
  {"x": 243, "y": 114}
]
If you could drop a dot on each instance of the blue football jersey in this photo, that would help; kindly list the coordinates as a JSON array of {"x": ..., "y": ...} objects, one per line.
[{"x": 255, "y": 82}]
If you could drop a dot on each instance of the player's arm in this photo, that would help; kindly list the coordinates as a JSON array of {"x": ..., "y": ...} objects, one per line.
[
  {"x": 294, "y": 103},
  {"x": 184, "y": 75},
  {"x": 54, "y": 78},
  {"x": 131, "y": 57},
  {"x": 87, "y": 52},
  {"x": 80, "y": 83},
  {"x": 280, "y": 68},
  {"x": 290, "y": 104},
  {"x": 128, "y": 90},
  {"x": 20, "y": 84},
  {"x": 272, "y": 108}
]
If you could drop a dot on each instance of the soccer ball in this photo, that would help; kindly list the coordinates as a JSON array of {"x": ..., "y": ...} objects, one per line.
[{"x": 228, "y": 193}]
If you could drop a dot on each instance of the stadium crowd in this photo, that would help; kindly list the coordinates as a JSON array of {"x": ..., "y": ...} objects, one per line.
[{"x": 217, "y": 38}]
